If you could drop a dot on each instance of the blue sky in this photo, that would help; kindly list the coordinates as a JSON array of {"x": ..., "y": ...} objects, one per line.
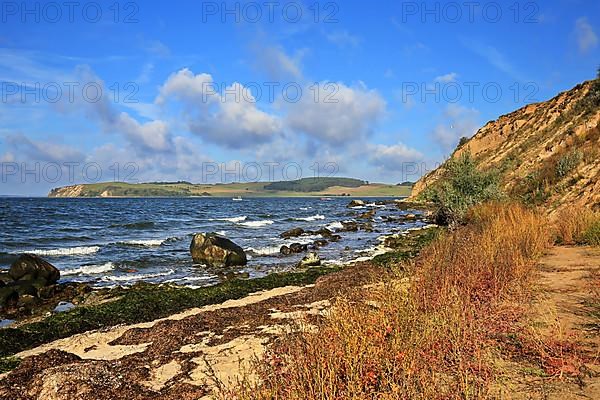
[{"x": 186, "y": 86}]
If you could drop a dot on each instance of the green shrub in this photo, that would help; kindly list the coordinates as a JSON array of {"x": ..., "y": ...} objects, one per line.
[
  {"x": 568, "y": 163},
  {"x": 591, "y": 235},
  {"x": 461, "y": 187}
]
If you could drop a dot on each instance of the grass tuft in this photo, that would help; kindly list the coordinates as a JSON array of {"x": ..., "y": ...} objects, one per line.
[{"x": 578, "y": 225}]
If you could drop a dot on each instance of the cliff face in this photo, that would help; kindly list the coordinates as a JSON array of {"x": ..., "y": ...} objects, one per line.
[
  {"x": 547, "y": 153},
  {"x": 67, "y": 191}
]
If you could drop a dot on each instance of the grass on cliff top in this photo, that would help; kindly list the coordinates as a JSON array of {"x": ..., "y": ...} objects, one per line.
[
  {"x": 304, "y": 187},
  {"x": 141, "y": 304}
]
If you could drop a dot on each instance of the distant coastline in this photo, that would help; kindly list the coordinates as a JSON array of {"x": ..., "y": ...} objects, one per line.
[{"x": 306, "y": 187}]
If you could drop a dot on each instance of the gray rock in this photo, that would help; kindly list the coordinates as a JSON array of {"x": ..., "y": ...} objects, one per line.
[
  {"x": 32, "y": 267},
  {"x": 217, "y": 251},
  {"x": 294, "y": 232}
]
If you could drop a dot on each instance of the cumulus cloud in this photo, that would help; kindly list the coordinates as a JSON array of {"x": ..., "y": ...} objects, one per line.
[
  {"x": 237, "y": 123},
  {"x": 231, "y": 119},
  {"x": 394, "y": 157},
  {"x": 186, "y": 86},
  {"x": 150, "y": 136},
  {"x": 586, "y": 37},
  {"x": 36, "y": 150},
  {"x": 336, "y": 114},
  {"x": 458, "y": 121}
]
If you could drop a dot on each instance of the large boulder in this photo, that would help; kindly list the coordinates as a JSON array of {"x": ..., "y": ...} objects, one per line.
[
  {"x": 215, "y": 250},
  {"x": 32, "y": 267}
]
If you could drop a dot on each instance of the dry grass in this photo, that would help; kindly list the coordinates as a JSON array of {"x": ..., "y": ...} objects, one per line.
[
  {"x": 433, "y": 337},
  {"x": 578, "y": 225}
]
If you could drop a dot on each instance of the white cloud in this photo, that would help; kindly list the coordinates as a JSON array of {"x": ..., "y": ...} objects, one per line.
[
  {"x": 237, "y": 123},
  {"x": 458, "y": 121},
  {"x": 153, "y": 135},
  {"x": 37, "y": 150},
  {"x": 184, "y": 85},
  {"x": 337, "y": 114},
  {"x": 231, "y": 119},
  {"x": 394, "y": 157},
  {"x": 450, "y": 77},
  {"x": 157, "y": 48},
  {"x": 586, "y": 37},
  {"x": 343, "y": 39},
  {"x": 277, "y": 63}
]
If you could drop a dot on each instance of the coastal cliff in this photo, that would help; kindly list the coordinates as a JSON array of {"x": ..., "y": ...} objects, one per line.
[{"x": 546, "y": 153}]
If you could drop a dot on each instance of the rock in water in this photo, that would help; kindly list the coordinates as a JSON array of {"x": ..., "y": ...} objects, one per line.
[
  {"x": 367, "y": 215},
  {"x": 293, "y": 248},
  {"x": 32, "y": 267},
  {"x": 294, "y": 232},
  {"x": 356, "y": 203},
  {"x": 216, "y": 250},
  {"x": 310, "y": 260}
]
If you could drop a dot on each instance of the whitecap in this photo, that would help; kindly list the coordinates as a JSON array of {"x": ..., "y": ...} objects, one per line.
[
  {"x": 312, "y": 218},
  {"x": 145, "y": 243},
  {"x": 231, "y": 219},
  {"x": 257, "y": 224},
  {"x": 375, "y": 205},
  {"x": 334, "y": 225},
  {"x": 89, "y": 269},
  {"x": 304, "y": 239},
  {"x": 66, "y": 251},
  {"x": 264, "y": 251},
  {"x": 136, "y": 277}
]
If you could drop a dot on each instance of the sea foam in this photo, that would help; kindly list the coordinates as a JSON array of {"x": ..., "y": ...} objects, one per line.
[
  {"x": 65, "y": 251},
  {"x": 89, "y": 269}
]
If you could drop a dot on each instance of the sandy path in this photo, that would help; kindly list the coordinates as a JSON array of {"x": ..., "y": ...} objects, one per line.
[{"x": 568, "y": 282}]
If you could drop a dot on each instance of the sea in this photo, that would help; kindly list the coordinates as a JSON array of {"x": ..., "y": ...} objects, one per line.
[{"x": 109, "y": 242}]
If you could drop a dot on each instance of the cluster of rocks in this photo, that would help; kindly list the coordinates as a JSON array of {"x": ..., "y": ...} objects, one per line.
[
  {"x": 217, "y": 251},
  {"x": 30, "y": 283},
  {"x": 29, "y": 279}
]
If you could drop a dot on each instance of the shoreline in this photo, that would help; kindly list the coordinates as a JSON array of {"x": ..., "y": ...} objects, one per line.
[
  {"x": 231, "y": 332},
  {"x": 120, "y": 305}
]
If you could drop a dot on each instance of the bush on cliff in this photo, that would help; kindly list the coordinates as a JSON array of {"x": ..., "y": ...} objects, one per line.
[{"x": 462, "y": 187}]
